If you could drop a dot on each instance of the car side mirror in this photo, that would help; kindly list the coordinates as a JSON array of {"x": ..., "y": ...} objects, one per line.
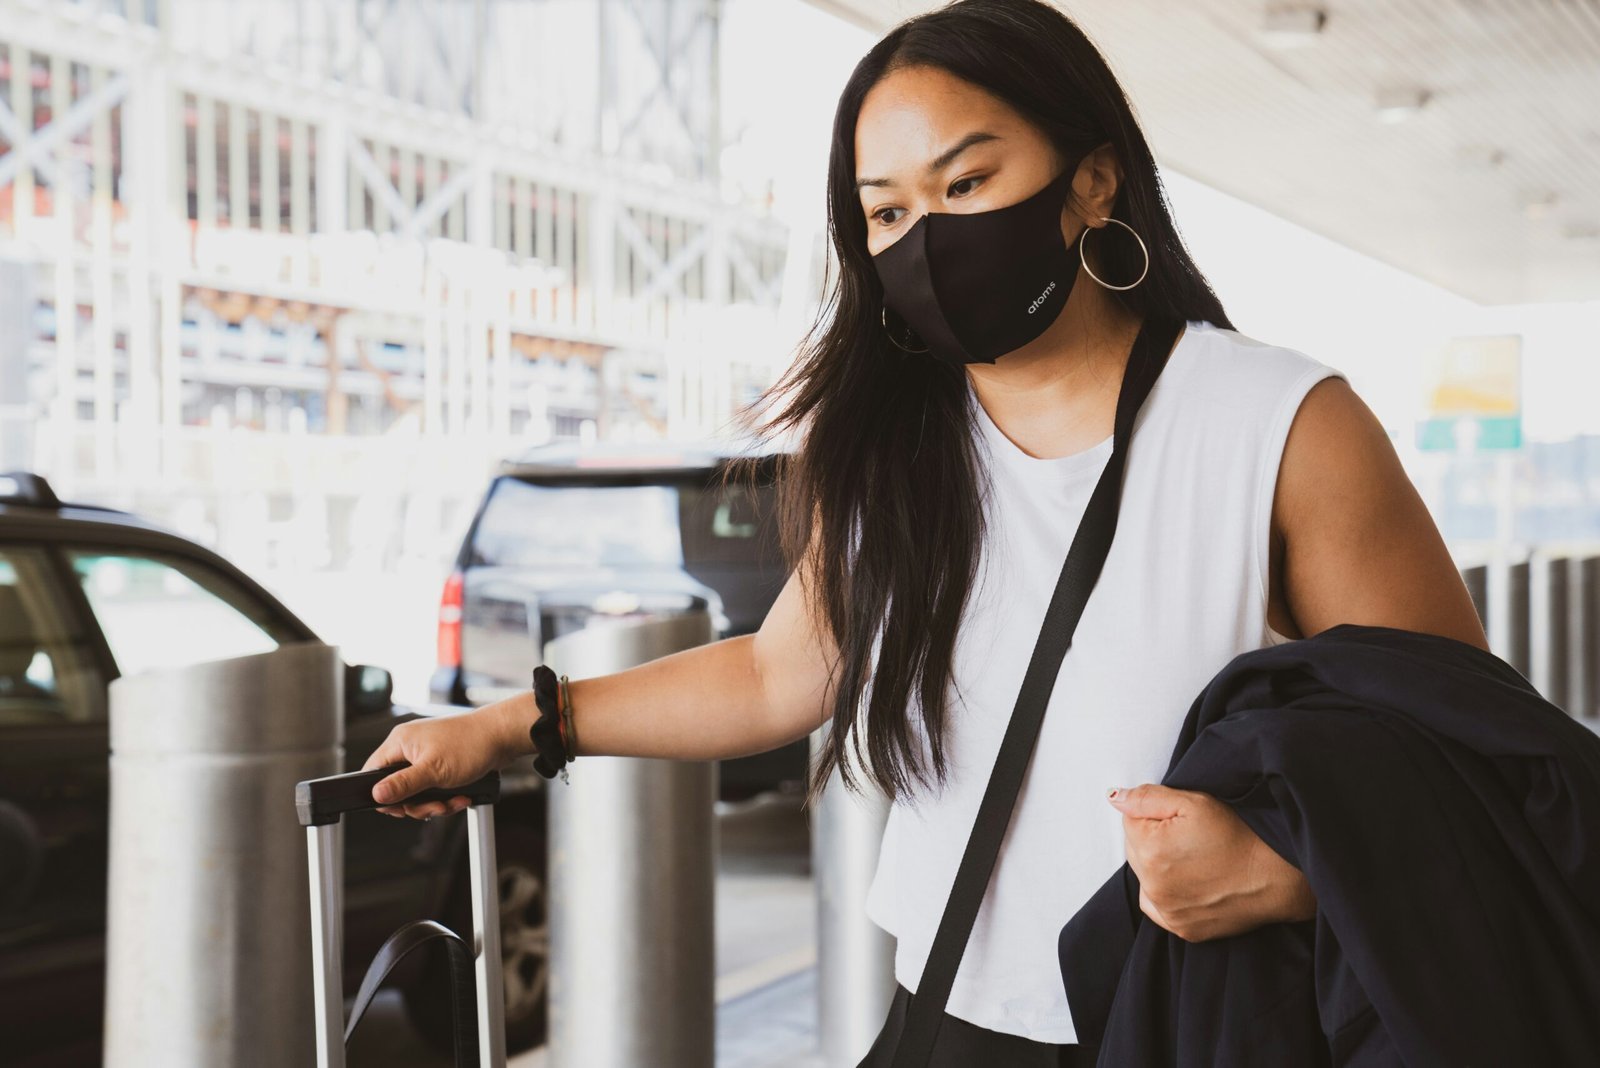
[{"x": 368, "y": 688}]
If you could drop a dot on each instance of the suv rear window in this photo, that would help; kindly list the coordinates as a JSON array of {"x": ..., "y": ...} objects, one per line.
[
  {"x": 544, "y": 526},
  {"x": 650, "y": 526}
]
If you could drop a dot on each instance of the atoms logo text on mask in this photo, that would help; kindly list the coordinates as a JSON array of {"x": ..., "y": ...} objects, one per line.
[{"x": 1040, "y": 298}]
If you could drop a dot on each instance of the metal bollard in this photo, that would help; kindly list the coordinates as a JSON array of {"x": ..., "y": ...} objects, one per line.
[
  {"x": 632, "y": 882},
  {"x": 1583, "y": 594},
  {"x": 855, "y": 957},
  {"x": 207, "y": 879},
  {"x": 1476, "y": 578},
  {"x": 1517, "y": 581},
  {"x": 1549, "y": 627},
  {"x": 1504, "y": 607}
]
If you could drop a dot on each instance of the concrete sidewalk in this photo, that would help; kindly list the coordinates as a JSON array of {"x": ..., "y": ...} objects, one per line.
[
  {"x": 765, "y": 944},
  {"x": 772, "y": 1026}
]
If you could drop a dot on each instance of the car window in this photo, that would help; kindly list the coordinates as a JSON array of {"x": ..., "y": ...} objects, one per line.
[
  {"x": 566, "y": 527},
  {"x": 160, "y": 611},
  {"x": 728, "y": 525},
  {"x": 48, "y": 673}
]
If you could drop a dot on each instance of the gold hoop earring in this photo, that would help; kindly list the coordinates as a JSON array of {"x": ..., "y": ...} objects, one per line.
[
  {"x": 883, "y": 317},
  {"x": 1136, "y": 237}
]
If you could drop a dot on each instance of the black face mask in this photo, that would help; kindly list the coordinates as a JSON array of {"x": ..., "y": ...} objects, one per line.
[{"x": 975, "y": 286}]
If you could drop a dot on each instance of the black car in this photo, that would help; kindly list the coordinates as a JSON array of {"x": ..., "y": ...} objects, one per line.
[
  {"x": 571, "y": 535},
  {"x": 80, "y": 589}
]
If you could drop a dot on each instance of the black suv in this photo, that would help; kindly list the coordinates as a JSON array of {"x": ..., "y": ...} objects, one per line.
[
  {"x": 570, "y": 535},
  {"x": 88, "y": 594}
]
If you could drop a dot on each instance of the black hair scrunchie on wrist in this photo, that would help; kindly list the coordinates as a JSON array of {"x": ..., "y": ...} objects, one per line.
[{"x": 550, "y": 750}]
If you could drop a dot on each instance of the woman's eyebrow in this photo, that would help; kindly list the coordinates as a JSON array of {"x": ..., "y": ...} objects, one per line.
[{"x": 977, "y": 137}]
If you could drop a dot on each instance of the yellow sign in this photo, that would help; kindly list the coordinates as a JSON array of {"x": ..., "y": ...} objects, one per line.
[
  {"x": 1474, "y": 393},
  {"x": 1476, "y": 376}
]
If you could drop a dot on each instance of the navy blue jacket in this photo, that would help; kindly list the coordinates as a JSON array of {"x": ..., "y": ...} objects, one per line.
[{"x": 1446, "y": 816}]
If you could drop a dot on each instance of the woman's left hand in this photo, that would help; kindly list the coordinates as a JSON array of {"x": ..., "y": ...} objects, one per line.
[{"x": 1203, "y": 873}]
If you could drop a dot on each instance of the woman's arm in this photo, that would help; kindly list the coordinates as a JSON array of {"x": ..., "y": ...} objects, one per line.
[
  {"x": 1353, "y": 543},
  {"x": 1358, "y": 544},
  {"x": 735, "y": 697}
]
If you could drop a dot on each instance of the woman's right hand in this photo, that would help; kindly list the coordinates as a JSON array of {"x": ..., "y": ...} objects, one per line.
[{"x": 443, "y": 751}]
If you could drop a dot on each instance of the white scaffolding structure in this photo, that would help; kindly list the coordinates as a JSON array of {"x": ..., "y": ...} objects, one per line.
[{"x": 365, "y": 249}]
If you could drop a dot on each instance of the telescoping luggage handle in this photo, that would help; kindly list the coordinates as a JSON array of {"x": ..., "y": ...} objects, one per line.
[{"x": 320, "y": 805}]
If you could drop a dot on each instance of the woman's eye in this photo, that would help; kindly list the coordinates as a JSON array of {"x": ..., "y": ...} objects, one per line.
[{"x": 878, "y": 215}]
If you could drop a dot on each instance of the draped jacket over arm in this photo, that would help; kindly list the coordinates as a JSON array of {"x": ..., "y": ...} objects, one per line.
[{"x": 1447, "y": 818}]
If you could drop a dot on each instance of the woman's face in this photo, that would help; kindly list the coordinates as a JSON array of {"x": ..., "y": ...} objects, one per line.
[{"x": 929, "y": 141}]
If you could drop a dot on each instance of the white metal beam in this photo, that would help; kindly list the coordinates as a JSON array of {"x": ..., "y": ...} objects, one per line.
[
  {"x": 74, "y": 122},
  {"x": 442, "y": 198},
  {"x": 663, "y": 273},
  {"x": 11, "y": 129},
  {"x": 377, "y": 182}
]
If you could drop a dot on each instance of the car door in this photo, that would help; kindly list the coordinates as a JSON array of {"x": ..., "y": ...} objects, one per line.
[
  {"x": 166, "y": 610},
  {"x": 53, "y": 778}
]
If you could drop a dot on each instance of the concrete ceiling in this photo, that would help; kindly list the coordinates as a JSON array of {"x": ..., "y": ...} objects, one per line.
[{"x": 1491, "y": 189}]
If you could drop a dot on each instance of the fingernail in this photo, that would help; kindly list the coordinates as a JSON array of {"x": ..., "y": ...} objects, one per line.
[{"x": 1113, "y": 792}]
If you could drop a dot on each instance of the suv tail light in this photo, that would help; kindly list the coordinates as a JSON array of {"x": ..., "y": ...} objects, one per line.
[{"x": 450, "y": 622}]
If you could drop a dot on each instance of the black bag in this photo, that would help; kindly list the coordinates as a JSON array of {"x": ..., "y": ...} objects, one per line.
[{"x": 1079, "y": 573}]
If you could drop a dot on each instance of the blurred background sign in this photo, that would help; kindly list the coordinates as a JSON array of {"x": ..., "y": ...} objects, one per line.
[{"x": 1473, "y": 395}]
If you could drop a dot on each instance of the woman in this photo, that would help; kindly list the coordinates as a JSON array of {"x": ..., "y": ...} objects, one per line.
[{"x": 955, "y": 425}]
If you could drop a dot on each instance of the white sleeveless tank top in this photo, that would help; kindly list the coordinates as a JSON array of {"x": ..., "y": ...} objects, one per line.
[{"x": 1183, "y": 591}]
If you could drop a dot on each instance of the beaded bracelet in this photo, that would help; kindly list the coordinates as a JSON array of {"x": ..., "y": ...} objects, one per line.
[
  {"x": 569, "y": 726},
  {"x": 549, "y": 743}
]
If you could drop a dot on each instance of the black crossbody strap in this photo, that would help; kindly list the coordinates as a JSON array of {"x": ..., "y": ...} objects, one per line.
[{"x": 1079, "y": 573}]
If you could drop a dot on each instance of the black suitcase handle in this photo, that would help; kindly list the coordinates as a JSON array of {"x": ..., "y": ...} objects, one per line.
[
  {"x": 325, "y": 800},
  {"x": 463, "y": 998}
]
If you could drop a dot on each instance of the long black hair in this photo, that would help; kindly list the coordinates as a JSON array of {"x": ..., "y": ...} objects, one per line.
[{"x": 880, "y": 501}]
